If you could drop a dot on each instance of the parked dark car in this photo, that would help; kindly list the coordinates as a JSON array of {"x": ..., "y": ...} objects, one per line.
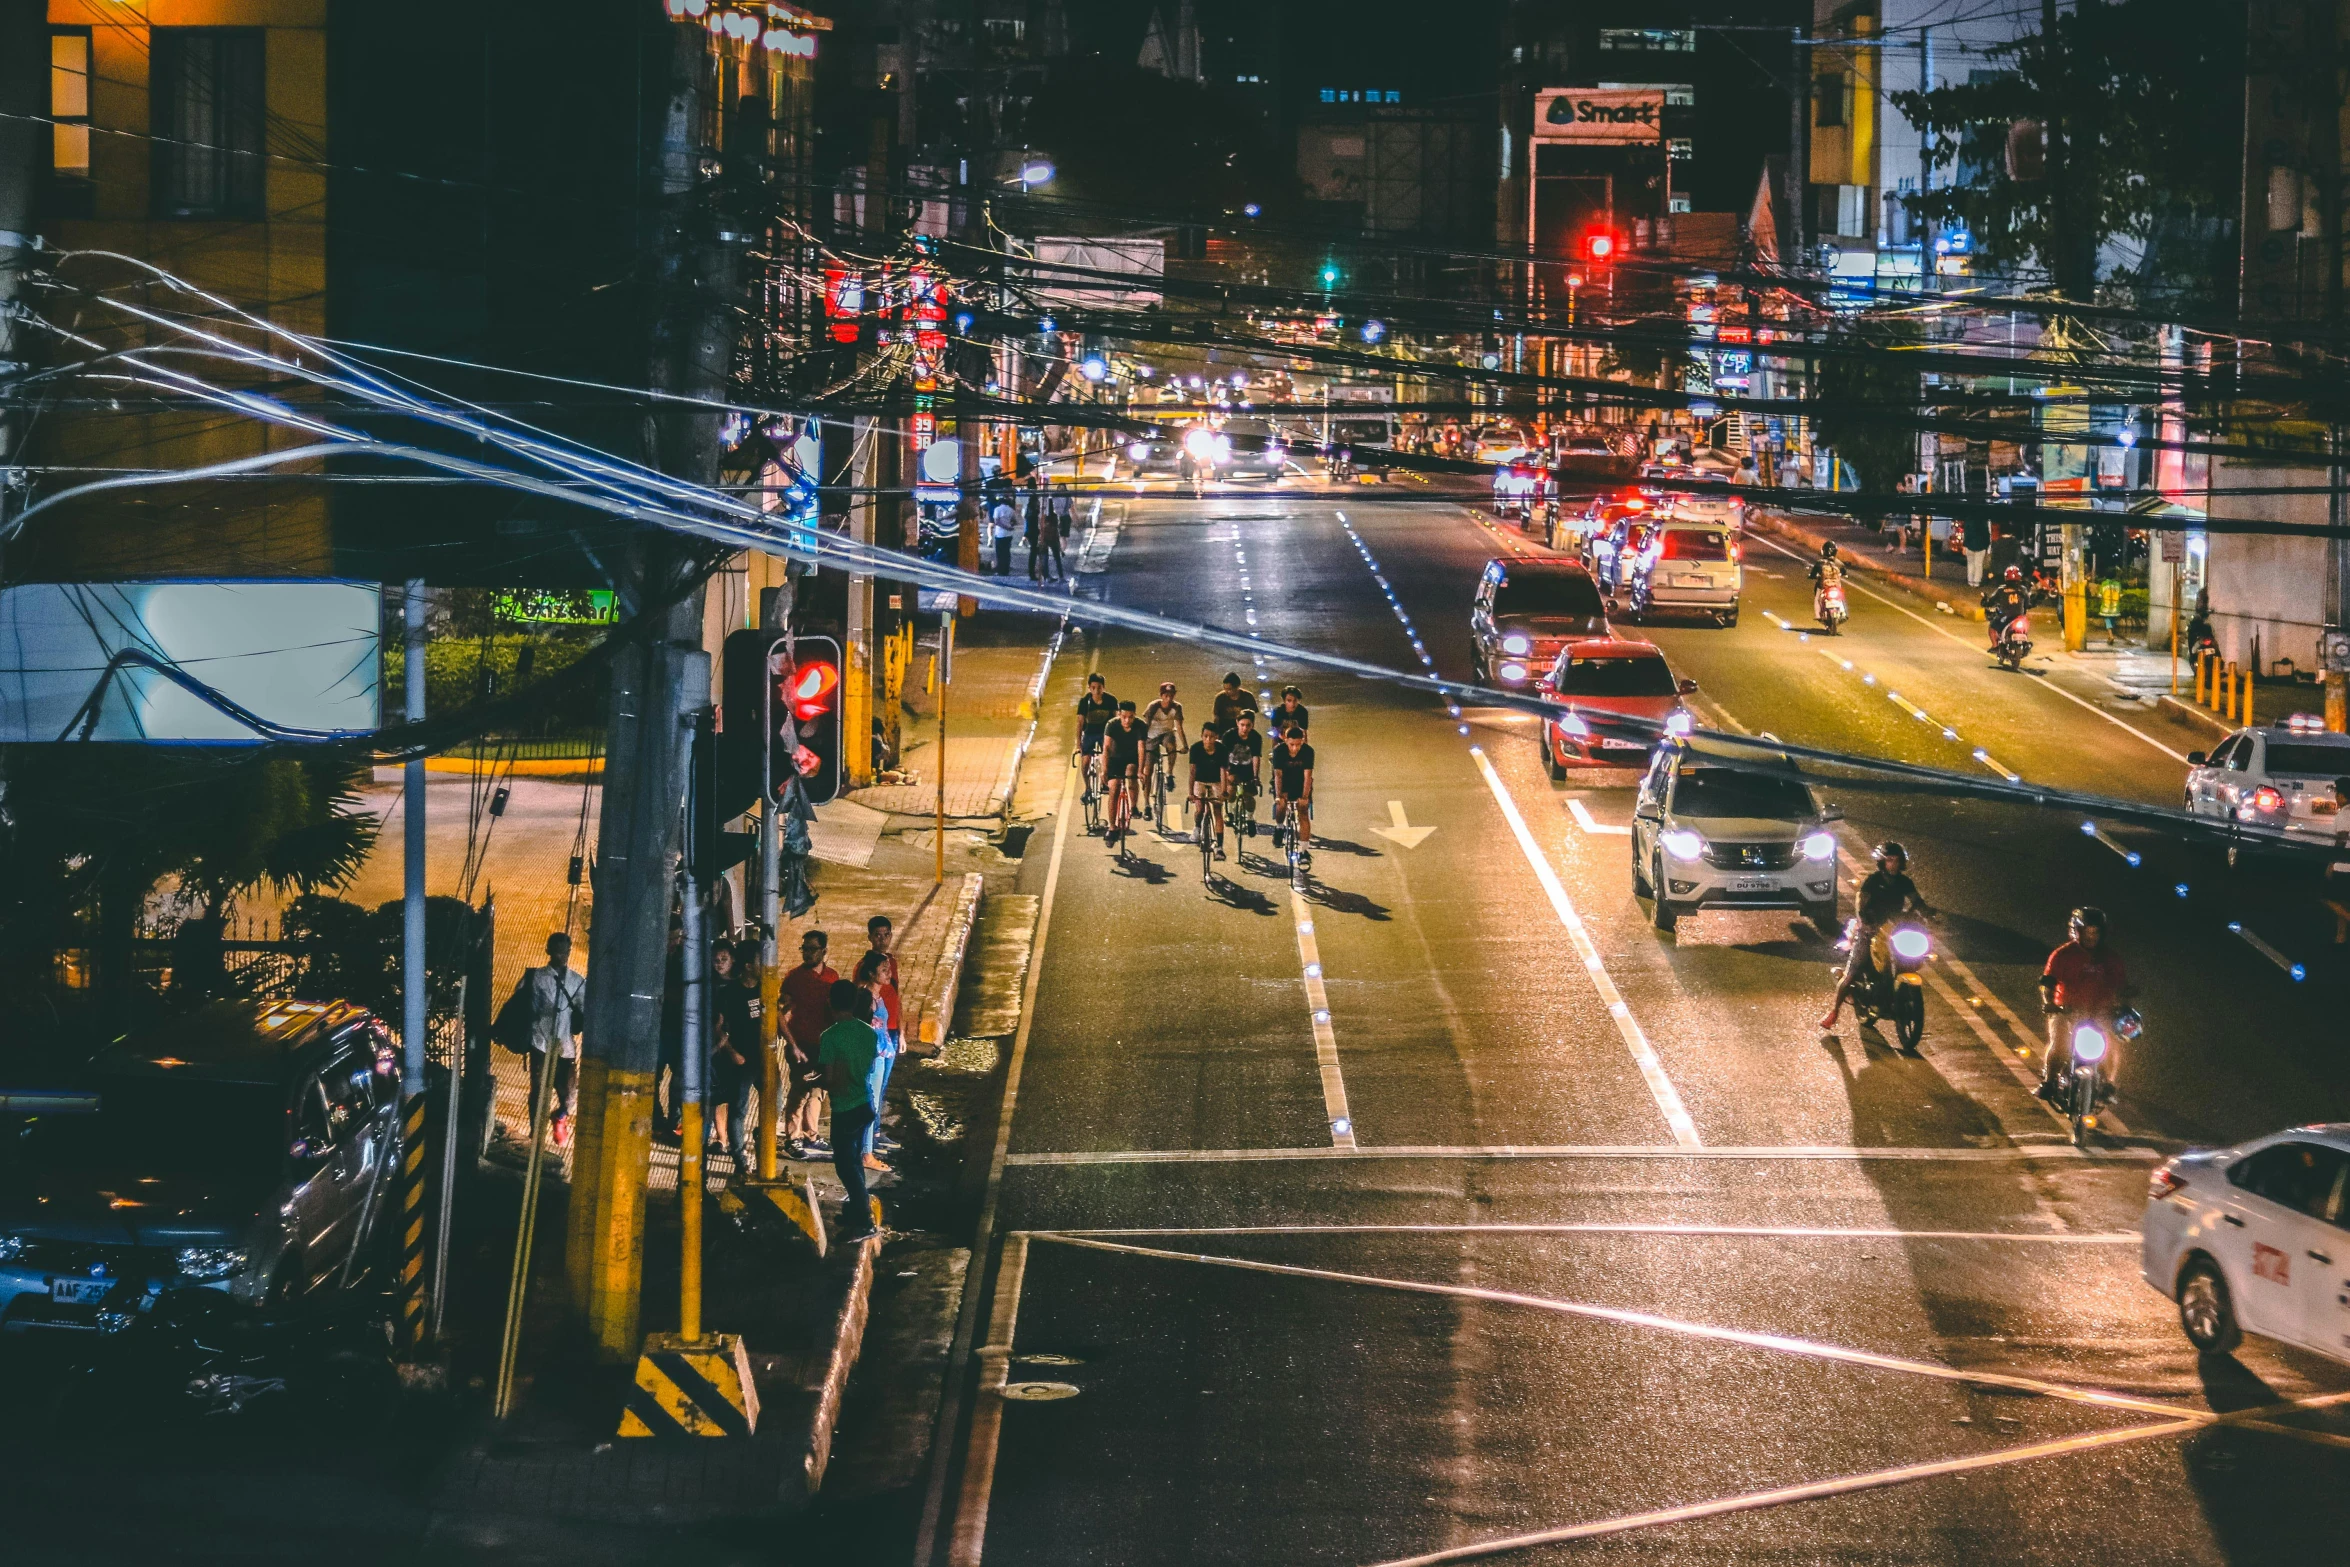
[{"x": 248, "y": 1147}]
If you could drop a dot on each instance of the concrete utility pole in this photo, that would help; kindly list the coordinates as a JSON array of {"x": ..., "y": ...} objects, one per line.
[
  {"x": 2063, "y": 261},
  {"x": 654, "y": 684}
]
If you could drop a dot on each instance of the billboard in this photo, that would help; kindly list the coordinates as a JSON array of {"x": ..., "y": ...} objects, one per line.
[
  {"x": 209, "y": 662},
  {"x": 1144, "y": 260},
  {"x": 1600, "y": 116}
]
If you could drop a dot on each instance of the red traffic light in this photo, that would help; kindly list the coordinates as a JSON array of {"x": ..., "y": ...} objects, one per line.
[
  {"x": 1600, "y": 245},
  {"x": 811, "y": 689}
]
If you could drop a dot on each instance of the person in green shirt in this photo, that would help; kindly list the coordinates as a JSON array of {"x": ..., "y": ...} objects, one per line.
[{"x": 850, "y": 1054}]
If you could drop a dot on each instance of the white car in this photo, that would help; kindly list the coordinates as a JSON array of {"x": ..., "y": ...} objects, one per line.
[
  {"x": 1714, "y": 828},
  {"x": 2256, "y": 1239},
  {"x": 1721, "y": 511},
  {"x": 1687, "y": 566},
  {"x": 2287, "y": 776}
]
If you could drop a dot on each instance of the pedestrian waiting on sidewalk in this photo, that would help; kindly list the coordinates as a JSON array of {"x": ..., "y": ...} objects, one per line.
[
  {"x": 807, "y": 1002},
  {"x": 556, "y": 998},
  {"x": 734, "y": 1046},
  {"x": 1974, "y": 533},
  {"x": 1003, "y": 526},
  {"x": 1064, "y": 527},
  {"x": 870, "y": 970},
  {"x": 849, "y": 1051},
  {"x": 1037, "y": 520}
]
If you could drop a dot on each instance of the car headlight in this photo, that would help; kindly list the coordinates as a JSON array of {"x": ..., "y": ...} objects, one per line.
[
  {"x": 1819, "y": 846},
  {"x": 1682, "y": 844},
  {"x": 1910, "y": 945},
  {"x": 1678, "y": 724},
  {"x": 1517, "y": 642},
  {"x": 1569, "y": 724},
  {"x": 1138, "y": 451},
  {"x": 10, "y": 1245},
  {"x": 210, "y": 1262},
  {"x": 1512, "y": 672}
]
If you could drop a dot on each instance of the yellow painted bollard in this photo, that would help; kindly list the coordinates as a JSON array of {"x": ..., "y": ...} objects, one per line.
[{"x": 2203, "y": 677}]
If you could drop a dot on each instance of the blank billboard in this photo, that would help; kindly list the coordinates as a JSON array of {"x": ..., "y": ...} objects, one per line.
[{"x": 191, "y": 663}]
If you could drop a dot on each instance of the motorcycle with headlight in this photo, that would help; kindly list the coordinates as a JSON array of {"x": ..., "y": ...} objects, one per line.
[
  {"x": 2084, "y": 1080},
  {"x": 1894, "y": 990}
]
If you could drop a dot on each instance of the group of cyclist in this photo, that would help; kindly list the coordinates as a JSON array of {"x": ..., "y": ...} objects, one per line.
[{"x": 1223, "y": 764}]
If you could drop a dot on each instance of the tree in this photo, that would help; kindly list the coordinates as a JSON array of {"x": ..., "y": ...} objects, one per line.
[
  {"x": 1868, "y": 402},
  {"x": 2149, "y": 156}
]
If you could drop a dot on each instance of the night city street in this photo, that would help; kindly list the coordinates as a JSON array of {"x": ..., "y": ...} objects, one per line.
[{"x": 1137, "y": 783}]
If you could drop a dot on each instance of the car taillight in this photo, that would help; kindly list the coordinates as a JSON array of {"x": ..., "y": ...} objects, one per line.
[
  {"x": 2266, "y": 798},
  {"x": 2163, "y": 1182}
]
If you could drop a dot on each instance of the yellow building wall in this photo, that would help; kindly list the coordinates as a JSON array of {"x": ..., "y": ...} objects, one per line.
[{"x": 273, "y": 267}]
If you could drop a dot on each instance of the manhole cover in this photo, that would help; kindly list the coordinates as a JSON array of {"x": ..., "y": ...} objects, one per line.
[
  {"x": 1039, "y": 1392},
  {"x": 1049, "y": 1360}
]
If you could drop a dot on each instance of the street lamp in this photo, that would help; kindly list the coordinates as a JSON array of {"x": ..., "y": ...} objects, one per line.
[
  {"x": 1094, "y": 368},
  {"x": 1035, "y": 172}
]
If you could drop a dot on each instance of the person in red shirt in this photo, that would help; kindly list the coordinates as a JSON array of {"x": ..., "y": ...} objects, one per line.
[
  {"x": 807, "y": 1003},
  {"x": 2084, "y": 979}
]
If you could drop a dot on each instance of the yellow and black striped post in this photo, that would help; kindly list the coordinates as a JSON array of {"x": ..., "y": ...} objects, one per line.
[{"x": 412, "y": 1147}]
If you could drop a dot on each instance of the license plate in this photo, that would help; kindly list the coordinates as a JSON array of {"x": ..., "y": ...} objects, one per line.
[
  {"x": 1620, "y": 745},
  {"x": 79, "y": 1292},
  {"x": 1750, "y": 884}
]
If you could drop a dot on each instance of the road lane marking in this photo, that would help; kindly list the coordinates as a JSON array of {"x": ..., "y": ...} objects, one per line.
[
  {"x": 1309, "y": 954},
  {"x": 1894, "y": 1154},
  {"x": 1969, "y": 643},
  {"x": 987, "y": 1415},
  {"x": 1733, "y": 1231},
  {"x": 1668, "y": 1098},
  {"x": 967, "y": 1314},
  {"x": 1584, "y": 820},
  {"x": 1842, "y": 1485},
  {"x": 1399, "y": 828},
  {"x": 1777, "y": 1343}
]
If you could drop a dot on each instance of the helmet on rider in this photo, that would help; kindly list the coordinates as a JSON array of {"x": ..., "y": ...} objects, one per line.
[
  {"x": 1828, "y": 549},
  {"x": 2015, "y": 573},
  {"x": 1890, "y": 850},
  {"x": 2087, "y": 916}
]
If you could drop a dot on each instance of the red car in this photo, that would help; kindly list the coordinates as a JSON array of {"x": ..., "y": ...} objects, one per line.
[{"x": 1607, "y": 676}]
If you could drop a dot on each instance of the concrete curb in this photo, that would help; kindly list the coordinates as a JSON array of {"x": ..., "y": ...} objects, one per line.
[
  {"x": 848, "y": 1340},
  {"x": 1787, "y": 528},
  {"x": 1010, "y": 782},
  {"x": 938, "y": 1007}
]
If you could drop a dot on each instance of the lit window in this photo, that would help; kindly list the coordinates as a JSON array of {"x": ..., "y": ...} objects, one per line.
[
  {"x": 1395, "y": 97},
  {"x": 69, "y": 103}
]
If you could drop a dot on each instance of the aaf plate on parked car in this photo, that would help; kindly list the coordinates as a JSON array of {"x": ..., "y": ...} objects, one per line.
[{"x": 79, "y": 1292}]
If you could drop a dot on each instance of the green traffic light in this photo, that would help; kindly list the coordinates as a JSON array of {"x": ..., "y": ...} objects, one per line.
[{"x": 1329, "y": 277}]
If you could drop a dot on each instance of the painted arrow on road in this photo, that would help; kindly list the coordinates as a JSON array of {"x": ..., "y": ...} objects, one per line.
[{"x": 1400, "y": 830}]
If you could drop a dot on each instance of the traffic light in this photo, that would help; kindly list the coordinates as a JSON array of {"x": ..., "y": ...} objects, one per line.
[
  {"x": 764, "y": 690},
  {"x": 1330, "y": 275},
  {"x": 1601, "y": 245},
  {"x": 803, "y": 717}
]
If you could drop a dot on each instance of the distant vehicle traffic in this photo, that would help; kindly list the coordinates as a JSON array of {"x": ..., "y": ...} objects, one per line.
[
  {"x": 1605, "y": 678},
  {"x": 1525, "y": 611},
  {"x": 2256, "y": 1239},
  {"x": 1687, "y": 566},
  {"x": 1611, "y": 551},
  {"x": 249, "y": 1147},
  {"x": 1713, "y": 829},
  {"x": 1256, "y": 450},
  {"x": 2290, "y": 776}
]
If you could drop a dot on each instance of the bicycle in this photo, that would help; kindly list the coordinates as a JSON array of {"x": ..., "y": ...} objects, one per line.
[
  {"x": 1119, "y": 834},
  {"x": 1203, "y": 832},
  {"x": 1089, "y": 765},
  {"x": 1161, "y": 784},
  {"x": 1240, "y": 812}
]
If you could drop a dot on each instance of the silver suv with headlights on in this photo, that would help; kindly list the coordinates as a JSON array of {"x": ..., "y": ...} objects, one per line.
[
  {"x": 248, "y": 1147},
  {"x": 1715, "y": 827}
]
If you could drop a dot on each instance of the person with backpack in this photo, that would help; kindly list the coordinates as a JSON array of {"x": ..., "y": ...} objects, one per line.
[{"x": 548, "y": 1011}]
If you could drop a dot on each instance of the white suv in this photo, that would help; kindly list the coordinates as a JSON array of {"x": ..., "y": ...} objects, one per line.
[
  {"x": 1722, "y": 828},
  {"x": 2287, "y": 776},
  {"x": 2256, "y": 1238},
  {"x": 1687, "y": 566}
]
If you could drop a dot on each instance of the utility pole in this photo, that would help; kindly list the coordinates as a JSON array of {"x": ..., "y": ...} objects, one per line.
[
  {"x": 1798, "y": 152},
  {"x": 655, "y": 682},
  {"x": 2063, "y": 262},
  {"x": 24, "y": 143},
  {"x": 412, "y": 982}
]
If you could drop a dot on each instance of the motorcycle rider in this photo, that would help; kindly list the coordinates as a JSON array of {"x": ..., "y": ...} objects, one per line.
[
  {"x": 1885, "y": 894},
  {"x": 2003, "y": 601},
  {"x": 2084, "y": 980},
  {"x": 1826, "y": 572}
]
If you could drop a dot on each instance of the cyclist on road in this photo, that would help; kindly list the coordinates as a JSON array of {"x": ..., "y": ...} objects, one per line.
[
  {"x": 1244, "y": 748},
  {"x": 1291, "y": 714},
  {"x": 1122, "y": 743},
  {"x": 1293, "y": 785},
  {"x": 1095, "y": 709},
  {"x": 1231, "y": 701},
  {"x": 1207, "y": 781},
  {"x": 1163, "y": 719}
]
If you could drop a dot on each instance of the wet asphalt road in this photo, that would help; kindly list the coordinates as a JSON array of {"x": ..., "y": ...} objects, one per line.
[{"x": 1507, "y": 1241}]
